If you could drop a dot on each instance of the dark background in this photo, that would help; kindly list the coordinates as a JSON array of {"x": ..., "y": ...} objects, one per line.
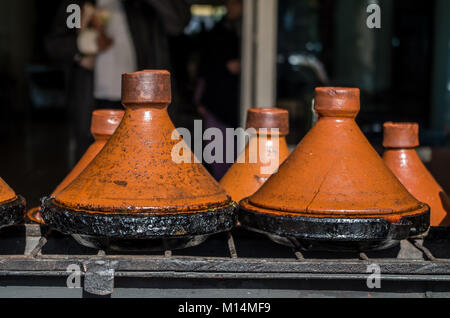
[{"x": 403, "y": 71}]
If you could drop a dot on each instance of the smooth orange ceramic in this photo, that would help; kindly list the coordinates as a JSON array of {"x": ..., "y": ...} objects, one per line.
[
  {"x": 400, "y": 141},
  {"x": 263, "y": 154},
  {"x": 335, "y": 172},
  {"x": 135, "y": 171},
  {"x": 6, "y": 193}
]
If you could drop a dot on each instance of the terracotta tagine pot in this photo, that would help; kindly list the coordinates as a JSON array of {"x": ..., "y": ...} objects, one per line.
[
  {"x": 103, "y": 124},
  {"x": 400, "y": 141},
  {"x": 12, "y": 206},
  {"x": 265, "y": 151},
  {"x": 334, "y": 192},
  {"x": 134, "y": 195}
]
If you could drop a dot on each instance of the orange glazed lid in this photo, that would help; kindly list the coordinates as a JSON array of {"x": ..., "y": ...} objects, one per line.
[
  {"x": 6, "y": 193},
  {"x": 401, "y": 135},
  {"x": 335, "y": 170},
  {"x": 247, "y": 176},
  {"x": 400, "y": 139},
  {"x": 135, "y": 171}
]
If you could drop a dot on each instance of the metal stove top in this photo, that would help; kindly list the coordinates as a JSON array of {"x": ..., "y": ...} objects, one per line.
[{"x": 36, "y": 262}]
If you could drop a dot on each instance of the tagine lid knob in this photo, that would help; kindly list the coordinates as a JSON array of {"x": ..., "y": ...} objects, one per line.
[
  {"x": 105, "y": 121},
  {"x": 149, "y": 86},
  {"x": 401, "y": 135},
  {"x": 269, "y": 118},
  {"x": 337, "y": 101}
]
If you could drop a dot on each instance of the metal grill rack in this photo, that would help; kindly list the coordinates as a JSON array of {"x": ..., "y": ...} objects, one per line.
[{"x": 34, "y": 261}]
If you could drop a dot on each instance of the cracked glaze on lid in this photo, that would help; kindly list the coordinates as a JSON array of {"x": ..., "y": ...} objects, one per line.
[
  {"x": 334, "y": 171},
  {"x": 135, "y": 171}
]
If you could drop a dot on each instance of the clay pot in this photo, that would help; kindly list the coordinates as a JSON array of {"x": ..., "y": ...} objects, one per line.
[
  {"x": 263, "y": 154},
  {"x": 12, "y": 206},
  {"x": 400, "y": 141},
  {"x": 103, "y": 124},
  {"x": 334, "y": 191},
  {"x": 134, "y": 194}
]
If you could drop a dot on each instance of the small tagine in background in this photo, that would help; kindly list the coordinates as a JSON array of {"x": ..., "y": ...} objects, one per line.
[
  {"x": 334, "y": 191},
  {"x": 401, "y": 141},
  {"x": 12, "y": 206},
  {"x": 103, "y": 124},
  {"x": 265, "y": 151},
  {"x": 135, "y": 195}
]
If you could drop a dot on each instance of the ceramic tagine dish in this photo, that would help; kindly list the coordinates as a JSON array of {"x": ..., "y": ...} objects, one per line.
[
  {"x": 134, "y": 195},
  {"x": 103, "y": 125},
  {"x": 400, "y": 142},
  {"x": 334, "y": 191}
]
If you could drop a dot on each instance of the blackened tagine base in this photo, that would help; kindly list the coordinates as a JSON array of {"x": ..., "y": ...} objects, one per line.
[
  {"x": 12, "y": 212},
  {"x": 334, "y": 233},
  {"x": 138, "y": 231}
]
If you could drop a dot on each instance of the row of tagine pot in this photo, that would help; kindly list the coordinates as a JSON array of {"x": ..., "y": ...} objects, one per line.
[{"x": 333, "y": 192}]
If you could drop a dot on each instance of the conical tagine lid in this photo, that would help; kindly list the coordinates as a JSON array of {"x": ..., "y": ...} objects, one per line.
[
  {"x": 103, "y": 124},
  {"x": 12, "y": 206},
  {"x": 334, "y": 175},
  {"x": 136, "y": 171},
  {"x": 400, "y": 141},
  {"x": 138, "y": 176},
  {"x": 263, "y": 154},
  {"x": 6, "y": 193}
]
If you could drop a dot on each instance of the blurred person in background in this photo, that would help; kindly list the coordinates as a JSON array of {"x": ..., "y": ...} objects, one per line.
[
  {"x": 218, "y": 90},
  {"x": 116, "y": 36}
]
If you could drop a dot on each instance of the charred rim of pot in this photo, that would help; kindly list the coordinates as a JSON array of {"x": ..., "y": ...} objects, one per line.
[
  {"x": 335, "y": 229},
  {"x": 137, "y": 226}
]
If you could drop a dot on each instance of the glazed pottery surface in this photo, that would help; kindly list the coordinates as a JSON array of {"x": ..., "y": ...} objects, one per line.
[
  {"x": 400, "y": 141},
  {"x": 246, "y": 176},
  {"x": 134, "y": 188},
  {"x": 334, "y": 186},
  {"x": 135, "y": 172},
  {"x": 6, "y": 193}
]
